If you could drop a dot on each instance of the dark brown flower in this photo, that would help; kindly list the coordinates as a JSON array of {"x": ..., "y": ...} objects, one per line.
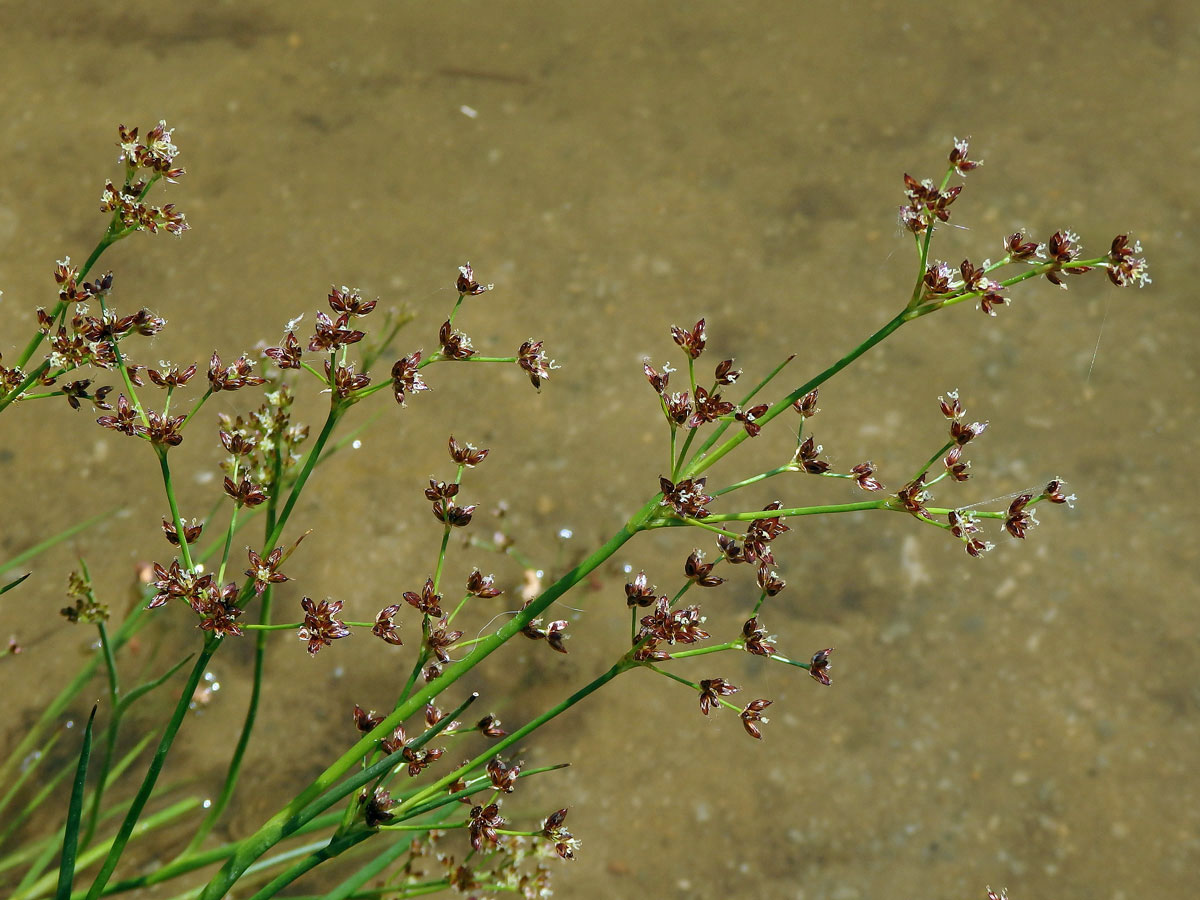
[
  {"x": 760, "y": 533},
  {"x": 673, "y": 625},
  {"x": 190, "y": 532},
  {"x": 678, "y": 407},
  {"x": 483, "y": 824},
  {"x": 1063, "y": 250},
  {"x": 125, "y": 421},
  {"x": 755, "y": 640},
  {"x": 466, "y": 454},
  {"x": 1019, "y": 519},
  {"x": 958, "y": 158},
  {"x": 697, "y": 570},
  {"x": 640, "y": 592},
  {"x": 725, "y": 372},
  {"x": 687, "y": 497},
  {"x": 503, "y": 776},
  {"x": 321, "y": 625},
  {"x": 940, "y": 279},
  {"x": 658, "y": 380},
  {"x": 331, "y": 334},
  {"x": 164, "y": 429},
  {"x": 489, "y": 726},
  {"x": 348, "y": 301},
  {"x": 287, "y": 356},
  {"x": 711, "y": 689},
  {"x": 440, "y": 640},
  {"x": 383, "y": 627},
  {"x": 692, "y": 341},
  {"x": 808, "y": 458},
  {"x": 963, "y": 433},
  {"x": 344, "y": 380},
  {"x": 913, "y": 496},
  {"x": 456, "y": 516},
  {"x": 466, "y": 283},
  {"x": 807, "y": 405},
  {"x": 428, "y": 602},
  {"x": 219, "y": 610},
  {"x": 956, "y": 466},
  {"x": 406, "y": 379},
  {"x": 1018, "y": 249},
  {"x": 231, "y": 378},
  {"x": 365, "y": 721},
  {"x": 376, "y": 809},
  {"x": 818, "y": 668},
  {"x": 482, "y": 586},
  {"x": 708, "y": 408},
  {"x": 769, "y": 581},
  {"x": 237, "y": 443},
  {"x": 749, "y": 416},
  {"x": 532, "y": 359},
  {"x": 565, "y": 843},
  {"x": 1123, "y": 267},
  {"x": 246, "y": 493},
  {"x": 171, "y": 377},
  {"x": 556, "y": 636},
  {"x": 864, "y": 474},
  {"x": 989, "y": 301},
  {"x": 455, "y": 344},
  {"x": 1054, "y": 493},
  {"x": 263, "y": 571},
  {"x": 176, "y": 583},
  {"x": 752, "y": 716}
]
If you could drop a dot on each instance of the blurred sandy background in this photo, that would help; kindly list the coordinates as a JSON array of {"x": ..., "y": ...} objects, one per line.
[{"x": 1024, "y": 720}]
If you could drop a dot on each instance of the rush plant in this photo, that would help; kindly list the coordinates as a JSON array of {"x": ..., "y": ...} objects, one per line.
[{"x": 386, "y": 813}]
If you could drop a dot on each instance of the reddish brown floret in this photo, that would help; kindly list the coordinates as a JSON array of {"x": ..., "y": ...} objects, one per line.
[
  {"x": 466, "y": 454},
  {"x": 321, "y": 625},
  {"x": 752, "y": 716},
  {"x": 711, "y": 689},
  {"x": 406, "y": 377},
  {"x": 818, "y": 668},
  {"x": 263, "y": 571},
  {"x": 692, "y": 341},
  {"x": 428, "y": 602}
]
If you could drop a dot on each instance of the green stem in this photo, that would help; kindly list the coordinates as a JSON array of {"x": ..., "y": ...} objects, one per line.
[
  {"x": 274, "y": 829},
  {"x": 169, "y": 486},
  {"x": 704, "y": 651},
  {"x": 754, "y": 479},
  {"x": 701, "y": 463},
  {"x": 211, "y": 643},
  {"x": 336, "y": 410},
  {"x": 932, "y": 460}
]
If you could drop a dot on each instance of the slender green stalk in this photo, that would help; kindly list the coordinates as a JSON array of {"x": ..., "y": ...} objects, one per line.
[
  {"x": 335, "y": 847},
  {"x": 239, "y": 752},
  {"x": 148, "y": 824},
  {"x": 211, "y": 643},
  {"x": 622, "y": 665},
  {"x": 701, "y": 463},
  {"x": 754, "y": 479},
  {"x": 169, "y": 486},
  {"x": 66, "y": 866},
  {"x": 336, "y": 410},
  {"x": 724, "y": 424},
  {"x": 775, "y": 513},
  {"x": 110, "y": 732},
  {"x": 199, "y": 860},
  {"x": 273, "y": 830}
]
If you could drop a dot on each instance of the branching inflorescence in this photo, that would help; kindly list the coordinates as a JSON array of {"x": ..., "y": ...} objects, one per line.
[{"x": 396, "y": 783}]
